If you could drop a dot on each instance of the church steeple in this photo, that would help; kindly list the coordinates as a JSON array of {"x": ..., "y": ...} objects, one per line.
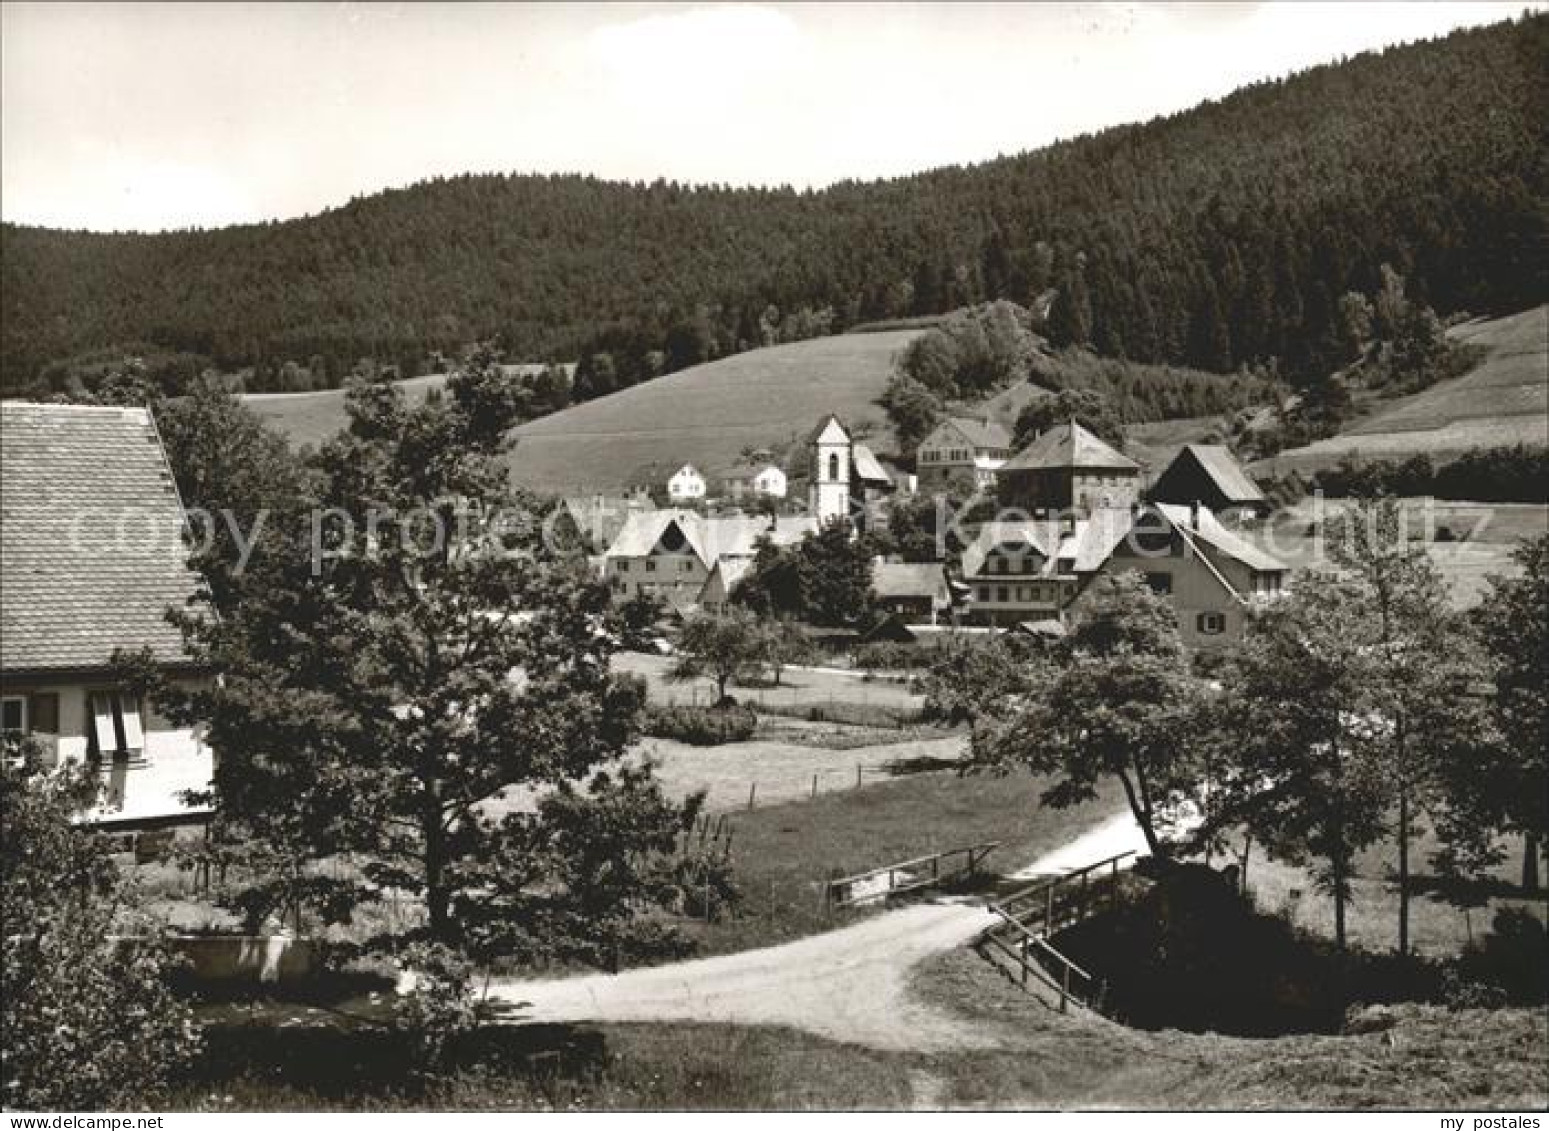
[{"x": 829, "y": 452}]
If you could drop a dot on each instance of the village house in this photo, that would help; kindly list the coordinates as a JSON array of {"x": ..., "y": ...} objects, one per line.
[
  {"x": 758, "y": 480},
  {"x": 1030, "y": 570},
  {"x": 592, "y": 522},
  {"x": 673, "y": 555},
  {"x": 1067, "y": 467},
  {"x": 1209, "y": 474},
  {"x": 686, "y": 484},
  {"x": 962, "y": 453},
  {"x": 1207, "y": 573},
  {"x": 91, "y": 533},
  {"x": 915, "y": 592}
]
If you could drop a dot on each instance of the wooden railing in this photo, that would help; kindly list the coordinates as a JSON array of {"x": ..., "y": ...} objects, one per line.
[
  {"x": 1030, "y": 951},
  {"x": 906, "y": 875},
  {"x": 1028, "y": 916},
  {"x": 1052, "y": 903}
]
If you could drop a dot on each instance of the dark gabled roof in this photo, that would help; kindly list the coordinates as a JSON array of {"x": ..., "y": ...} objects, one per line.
[
  {"x": 91, "y": 539},
  {"x": 1073, "y": 446},
  {"x": 1222, "y": 468}
]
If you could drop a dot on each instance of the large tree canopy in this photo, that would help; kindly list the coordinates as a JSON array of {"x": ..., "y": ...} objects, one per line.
[{"x": 411, "y": 682}]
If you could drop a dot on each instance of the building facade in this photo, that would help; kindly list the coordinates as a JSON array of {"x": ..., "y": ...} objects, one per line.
[
  {"x": 686, "y": 485},
  {"x": 1069, "y": 468},
  {"x": 962, "y": 453},
  {"x": 91, "y": 536}
]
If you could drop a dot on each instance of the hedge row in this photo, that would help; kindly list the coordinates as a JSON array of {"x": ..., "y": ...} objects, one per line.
[{"x": 700, "y": 726}]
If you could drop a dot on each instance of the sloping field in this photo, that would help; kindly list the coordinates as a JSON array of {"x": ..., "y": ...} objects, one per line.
[
  {"x": 1504, "y": 401},
  {"x": 310, "y": 418},
  {"x": 708, "y": 414}
]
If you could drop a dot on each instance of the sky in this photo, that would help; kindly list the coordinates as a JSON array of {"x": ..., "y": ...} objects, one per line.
[{"x": 157, "y": 116}]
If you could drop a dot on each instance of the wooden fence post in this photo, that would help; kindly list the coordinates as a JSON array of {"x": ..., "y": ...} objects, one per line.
[
  {"x": 1048, "y": 908},
  {"x": 752, "y": 793},
  {"x": 1065, "y": 989}
]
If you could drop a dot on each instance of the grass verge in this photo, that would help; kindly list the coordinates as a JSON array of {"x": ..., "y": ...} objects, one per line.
[{"x": 782, "y": 853}]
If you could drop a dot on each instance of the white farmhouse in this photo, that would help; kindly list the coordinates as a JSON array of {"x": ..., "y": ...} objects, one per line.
[
  {"x": 686, "y": 484},
  {"x": 91, "y": 540}
]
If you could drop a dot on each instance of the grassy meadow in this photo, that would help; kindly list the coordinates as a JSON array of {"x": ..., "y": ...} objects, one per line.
[
  {"x": 706, "y": 415},
  {"x": 1502, "y": 401}
]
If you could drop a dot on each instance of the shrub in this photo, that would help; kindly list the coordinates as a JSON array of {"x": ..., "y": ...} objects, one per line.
[
  {"x": 848, "y": 714},
  {"x": 1513, "y": 958},
  {"x": 890, "y": 655},
  {"x": 439, "y": 1009},
  {"x": 700, "y": 726},
  {"x": 90, "y": 1022}
]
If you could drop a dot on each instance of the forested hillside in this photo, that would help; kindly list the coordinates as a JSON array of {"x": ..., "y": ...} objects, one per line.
[{"x": 1211, "y": 238}]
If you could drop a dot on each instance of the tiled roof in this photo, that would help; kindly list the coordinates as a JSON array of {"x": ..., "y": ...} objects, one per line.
[
  {"x": 910, "y": 579},
  {"x": 867, "y": 466},
  {"x": 1070, "y": 445},
  {"x": 1207, "y": 529},
  {"x": 710, "y": 538},
  {"x": 1095, "y": 538},
  {"x": 981, "y": 433},
  {"x": 602, "y": 517},
  {"x": 91, "y": 549},
  {"x": 1040, "y": 536}
]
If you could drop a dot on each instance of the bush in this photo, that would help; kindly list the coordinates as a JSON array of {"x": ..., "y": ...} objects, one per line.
[
  {"x": 890, "y": 655},
  {"x": 439, "y": 1009},
  {"x": 848, "y": 714},
  {"x": 700, "y": 726},
  {"x": 89, "y": 1020},
  {"x": 1513, "y": 958},
  {"x": 1484, "y": 475}
]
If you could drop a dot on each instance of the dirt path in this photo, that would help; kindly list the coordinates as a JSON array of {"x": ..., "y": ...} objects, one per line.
[{"x": 847, "y": 985}]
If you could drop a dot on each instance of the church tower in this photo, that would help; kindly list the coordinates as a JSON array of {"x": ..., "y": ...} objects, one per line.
[{"x": 829, "y": 452}]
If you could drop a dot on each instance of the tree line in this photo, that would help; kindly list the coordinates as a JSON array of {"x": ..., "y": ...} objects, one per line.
[{"x": 1212, "y": 238}]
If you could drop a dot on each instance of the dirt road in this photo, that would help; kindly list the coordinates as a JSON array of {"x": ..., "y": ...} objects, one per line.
[{"x": 847, "y": 985}]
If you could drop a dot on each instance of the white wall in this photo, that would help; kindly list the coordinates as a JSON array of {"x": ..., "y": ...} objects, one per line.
[{"x": 175, "y": 759}]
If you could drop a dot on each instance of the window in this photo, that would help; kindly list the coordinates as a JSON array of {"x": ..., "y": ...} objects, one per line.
[
  {"x": 1161, "y": 583},
  {"x": 1002, "y": 593},
  {"x": 1024, "y": 592},
  {"x": 833, "y": 467},
  {"x": 1211, "y": 624},
  {"x": 115, "y": 726},
  {"x": 13, "y": 714},
  {"x": 685, "y": 566},
  {"x": 650, "y": 565},
  {"x": 982, "y": 592},
  {"x": 623, "y": 566}
]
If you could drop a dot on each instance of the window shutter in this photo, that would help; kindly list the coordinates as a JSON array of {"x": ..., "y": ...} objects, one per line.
[
  {"x": 134, "y": 727},
  {"x": 43, "y": 719},
  {"x": 100, "y": 706}
]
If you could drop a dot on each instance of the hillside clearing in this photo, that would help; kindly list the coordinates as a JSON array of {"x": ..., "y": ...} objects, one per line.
[
  {"x": 310, "y": 418},
  {"x": 1502, "y": 401},
  {"x": 706, "y": 415}
]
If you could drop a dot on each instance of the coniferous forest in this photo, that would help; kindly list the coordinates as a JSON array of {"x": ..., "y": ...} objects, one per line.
[{"x": 1212, "y": 238}]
